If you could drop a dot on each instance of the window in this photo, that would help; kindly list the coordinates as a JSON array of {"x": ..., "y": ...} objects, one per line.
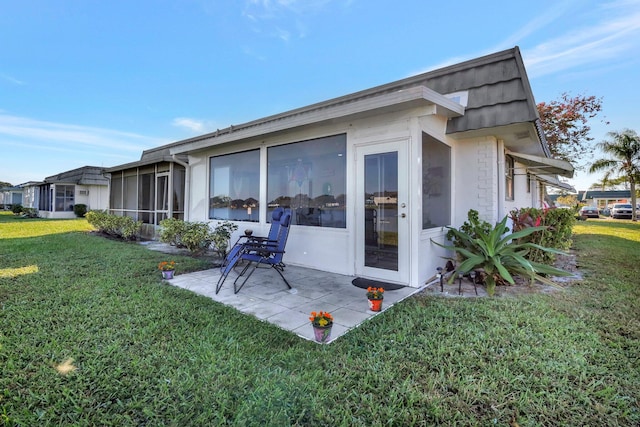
[
  {"x": 436, "y": 183},
  {"x": 309, "y": 177},
  {"x": 234, "y": 190},
  {"x": 179, "y": 179},
  {"x": 509, "y": 168},
  {"x": 65, "y": 198},
  {"x": 146, "y": 194},
  {"x": 115, "y": 200}
]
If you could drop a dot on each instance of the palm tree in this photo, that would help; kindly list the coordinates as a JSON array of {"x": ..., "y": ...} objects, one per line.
[{"x": 624, "y": 148}]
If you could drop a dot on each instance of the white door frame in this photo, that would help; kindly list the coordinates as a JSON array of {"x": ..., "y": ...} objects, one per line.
[{"x": 402, "y": 275}]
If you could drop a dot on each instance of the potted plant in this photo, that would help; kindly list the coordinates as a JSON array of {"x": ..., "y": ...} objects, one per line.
[
  {"x": 322, "y": 322},
  {"x": 167, "y": 268},
  {"x": 375, "y": 297}
]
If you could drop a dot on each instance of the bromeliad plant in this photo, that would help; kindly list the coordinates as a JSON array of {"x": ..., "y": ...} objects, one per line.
[
  {"x": 167, "y": 266},
  {"x": 375, "y": 293},
  {"x": 499, "y": 255},
  {"x": 321, "y": 319}
]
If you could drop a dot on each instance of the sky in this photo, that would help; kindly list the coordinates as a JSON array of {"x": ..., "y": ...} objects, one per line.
[{"x": 94, "y": 83}]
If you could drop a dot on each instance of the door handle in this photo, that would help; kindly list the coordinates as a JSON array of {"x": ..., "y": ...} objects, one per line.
[{"x": 403, "y": 215}]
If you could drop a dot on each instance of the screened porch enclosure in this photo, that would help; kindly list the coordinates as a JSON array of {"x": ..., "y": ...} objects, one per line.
[{"x": 149, "y": 193}]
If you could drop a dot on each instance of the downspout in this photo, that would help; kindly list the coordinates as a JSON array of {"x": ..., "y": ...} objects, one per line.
[
  {"x": 187, "y": 185},
  {"x": 501, "y": 174}
]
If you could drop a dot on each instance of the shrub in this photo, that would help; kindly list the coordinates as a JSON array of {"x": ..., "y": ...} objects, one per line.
[
  {"x": 123, "y": 227},
  {"x": 195, "y": 236},
  {"x": 498, "y": 255},
  {"x": 222, "y": 235},
  {"x": 171, "y": 231},
  {"x": 17, "y": 209},
  {"x": 557, "y": 233},
  {"x": 80, "y": 209},
  {"x": 29, "y": 213}
]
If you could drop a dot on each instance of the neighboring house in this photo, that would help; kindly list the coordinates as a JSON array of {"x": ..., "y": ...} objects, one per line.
[
  {"x": 59, "y": 193},
  {"x": 30, "y": 194},
  {"x": 150, "y": 189},
  {"x": 371, "y": 177},
  {"x": 10, "y": 196},
  {"x": 603, "y": 199}
]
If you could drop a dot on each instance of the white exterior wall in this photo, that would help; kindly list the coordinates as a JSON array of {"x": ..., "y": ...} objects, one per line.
[
  {"x": 477, "y": 183},
  {"x": 97, "y": 197},
  {"x": 521, "y": 196},
  {"x": 475, "y": 180},
  {"x": 329, "y": 249}
]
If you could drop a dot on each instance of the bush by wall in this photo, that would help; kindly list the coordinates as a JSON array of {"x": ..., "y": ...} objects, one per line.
[
  {"x": 197, "y": 237},
  {"x": 80, "y": 209},
  {"x": 557, "y": 235},
  {"x": 123, "y": 227}
]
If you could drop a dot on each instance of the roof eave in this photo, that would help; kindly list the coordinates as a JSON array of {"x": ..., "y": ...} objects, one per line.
[{"x": 419, "y": 96}]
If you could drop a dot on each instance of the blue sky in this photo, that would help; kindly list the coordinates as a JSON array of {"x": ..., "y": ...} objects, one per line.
[{"x": 86, "y": 82}]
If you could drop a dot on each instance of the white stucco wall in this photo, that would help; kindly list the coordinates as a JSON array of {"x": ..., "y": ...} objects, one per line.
[{"x": 477, "y": 183}]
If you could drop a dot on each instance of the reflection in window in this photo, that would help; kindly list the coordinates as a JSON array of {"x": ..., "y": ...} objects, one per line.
[
  {"x": 309, "y": 177},
  {"x": 234, "y": 189},
  {"x": 436, "y": 183}
]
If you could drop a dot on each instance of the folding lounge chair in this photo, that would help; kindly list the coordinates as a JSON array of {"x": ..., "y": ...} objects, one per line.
[
  {"x": 232, "y": 257},
  {"x": 267, "y": 253}
]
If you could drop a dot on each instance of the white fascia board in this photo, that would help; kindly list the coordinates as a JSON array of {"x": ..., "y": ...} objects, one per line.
[{"x": 388, "y": 102}]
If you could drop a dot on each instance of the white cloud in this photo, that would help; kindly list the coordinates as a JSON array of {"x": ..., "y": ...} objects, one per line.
[
  {"x": 34, "y": 149},
  {"x": 596, "y": 44},
  {"x": 282, "y": 18},
  {"x": 191, "y": 124},
  {"x": 195, "y": 125},
  {"x": 12, "y": 79},
  {"x": 29, "y": 130}
]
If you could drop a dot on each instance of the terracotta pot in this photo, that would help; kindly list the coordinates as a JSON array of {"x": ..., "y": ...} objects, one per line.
[
  {"x": 167, "y": 274},
  {"x": 375, "y": 304},
  {"x": 322, "y": 333}
]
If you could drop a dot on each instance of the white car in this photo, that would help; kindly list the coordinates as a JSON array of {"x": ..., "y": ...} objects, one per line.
[{"x": 621, "y": 210}]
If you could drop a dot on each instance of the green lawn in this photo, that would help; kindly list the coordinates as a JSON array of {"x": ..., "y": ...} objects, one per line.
[{"x": 146, "y": 353}]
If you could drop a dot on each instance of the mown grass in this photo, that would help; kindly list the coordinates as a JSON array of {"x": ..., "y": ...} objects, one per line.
[{"x": 146, "y": 353}]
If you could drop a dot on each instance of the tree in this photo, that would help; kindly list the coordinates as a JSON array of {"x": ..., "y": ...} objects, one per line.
[
  {"x": 624, "y": 148},
  {"x": 565, "y": 125},
  {"x": 608, "y": 184},
  {"x": 567, "y": 200},
  {"x": 5, "y": 184}
]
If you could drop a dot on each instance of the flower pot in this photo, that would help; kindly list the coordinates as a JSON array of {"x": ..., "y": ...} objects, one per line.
[
  {"x": 375, "y": 304},
  {"x": 167, "y": 274},
  {"x": 322, "y": 333}
]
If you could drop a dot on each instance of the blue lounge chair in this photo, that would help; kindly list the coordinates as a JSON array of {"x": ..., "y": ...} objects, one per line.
[
  {"x": 269, "y": 253},
  {"x": 232, "y": 257}
]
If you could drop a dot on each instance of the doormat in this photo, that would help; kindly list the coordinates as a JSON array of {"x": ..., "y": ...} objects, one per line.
[{"x": 363, "y": 283}]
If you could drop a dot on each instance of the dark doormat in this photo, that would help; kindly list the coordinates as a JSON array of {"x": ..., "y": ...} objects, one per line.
[{"x": 365, "y": 283}]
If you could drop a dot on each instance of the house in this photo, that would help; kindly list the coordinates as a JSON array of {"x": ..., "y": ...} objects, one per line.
[
  {"x": 30, "y": 194},
  {"x": 57, "y": 194},
  {"x": 10, "y": 196},
  {"x": 602, "y": 199},
  {"x": 371, "y": 177}
]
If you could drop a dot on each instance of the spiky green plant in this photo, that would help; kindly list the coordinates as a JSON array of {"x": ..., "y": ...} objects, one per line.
[{"x": 499, "y": 255}]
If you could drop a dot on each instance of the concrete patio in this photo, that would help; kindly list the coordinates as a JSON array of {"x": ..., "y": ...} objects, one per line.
[{"x": 266, "y": 297}]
